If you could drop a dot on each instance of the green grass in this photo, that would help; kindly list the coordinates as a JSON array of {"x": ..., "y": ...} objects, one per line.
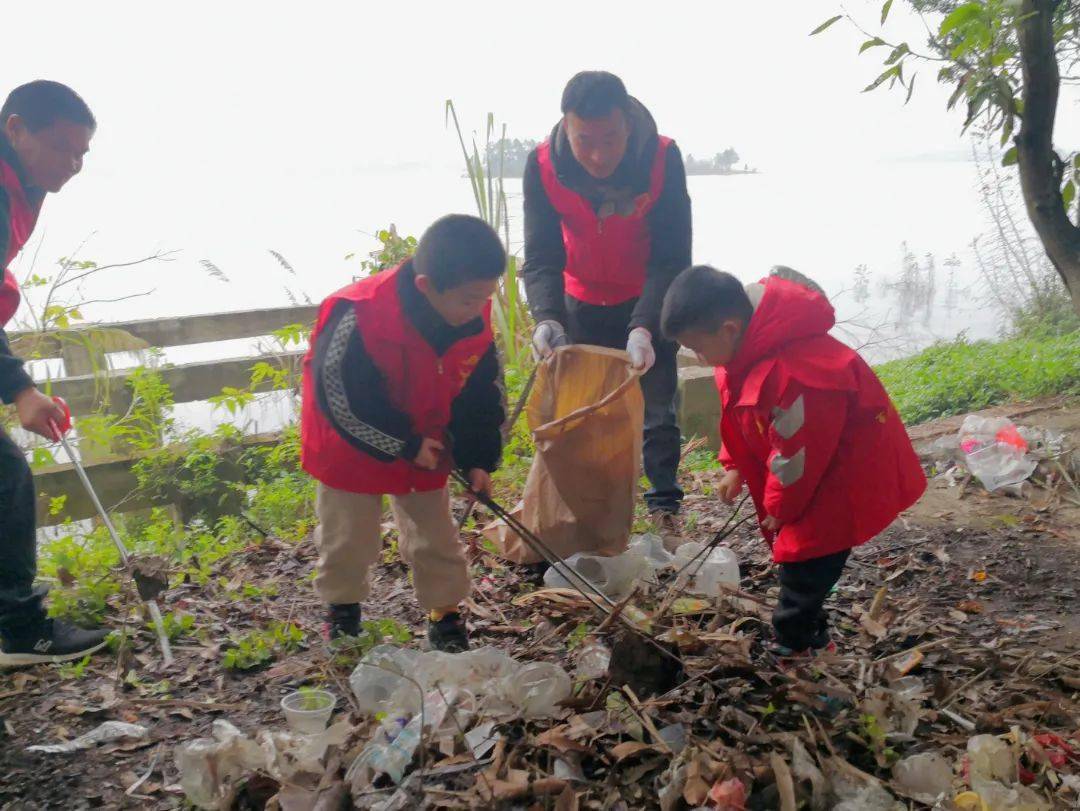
[{"x": 958, "y": 377}]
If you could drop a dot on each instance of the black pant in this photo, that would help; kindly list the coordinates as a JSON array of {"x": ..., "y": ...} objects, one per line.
[
  {"x": 608, "y": 326},
  {"x": 799, "y": 619},
  {"x": 20, "y": 603}
]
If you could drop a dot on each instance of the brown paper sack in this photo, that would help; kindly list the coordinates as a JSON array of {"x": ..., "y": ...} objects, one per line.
[{"x": 585, "y": 413}]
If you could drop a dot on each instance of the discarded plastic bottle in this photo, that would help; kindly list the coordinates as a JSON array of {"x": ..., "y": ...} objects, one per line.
[
  {"x": 614, "y": 576},
  {"x": 708, "y": 570}
]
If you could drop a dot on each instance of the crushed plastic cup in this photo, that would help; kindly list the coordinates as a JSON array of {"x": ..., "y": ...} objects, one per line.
[
  {"x": 308, "y": 711},
  {"x": 708, "y": 569},
  {"x": 924, "y": 777},
  {"x": 995, "y": 452},
  {"x": 593, "y": 661},
  {"x": 538, "y": 687},
  {"x": 614, "y": 576}
]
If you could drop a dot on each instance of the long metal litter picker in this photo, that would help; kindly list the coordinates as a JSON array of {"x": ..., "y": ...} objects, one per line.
[{"x": 125, "y": 557}]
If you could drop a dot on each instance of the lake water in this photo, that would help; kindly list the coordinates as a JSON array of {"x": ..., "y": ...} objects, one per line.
[{"x": 824, "y": 220}]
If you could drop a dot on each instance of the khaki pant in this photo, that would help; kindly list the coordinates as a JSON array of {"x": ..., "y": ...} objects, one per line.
[{"x": 349, "y": 540}]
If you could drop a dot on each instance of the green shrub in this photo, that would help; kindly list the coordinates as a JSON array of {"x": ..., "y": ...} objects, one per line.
[{"x": 961, "y": 376}]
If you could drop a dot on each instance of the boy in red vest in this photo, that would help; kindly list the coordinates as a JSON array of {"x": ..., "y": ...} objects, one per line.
[
  {"x": 805, "y": 424},
  {"x": 401, "y": 381},
  {"x": 607, "y": 227},
  {"x": 45, "y": 130}
]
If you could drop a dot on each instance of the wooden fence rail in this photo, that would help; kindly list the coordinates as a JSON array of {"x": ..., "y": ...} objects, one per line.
[{"x": 191, "y": 382}]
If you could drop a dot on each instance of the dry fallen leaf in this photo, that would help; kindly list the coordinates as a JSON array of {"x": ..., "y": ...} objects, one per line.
[
  {"x": 979, "y": 576},
  {"x": 567, "y": 801},
  {"x": 970, "y": 606},
  {"x": 873, "y": 627},
  {"x": 630, "y": 748},
  {"x": 557, "y": 738}
]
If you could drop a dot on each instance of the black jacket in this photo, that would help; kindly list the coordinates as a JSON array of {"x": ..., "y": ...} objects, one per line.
[
  {"x": 669, "y": 222},
  {"x": 13, "y": 377},
  {"x": 477, "y": 413}
]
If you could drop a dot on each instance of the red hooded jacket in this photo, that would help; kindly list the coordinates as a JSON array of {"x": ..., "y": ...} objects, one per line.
[{"x": 811, "y": 429}]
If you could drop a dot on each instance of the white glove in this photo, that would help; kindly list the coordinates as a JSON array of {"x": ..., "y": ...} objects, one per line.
[
  {"x": 639, "y": 347},
  {"x": 547, "y": 336}
]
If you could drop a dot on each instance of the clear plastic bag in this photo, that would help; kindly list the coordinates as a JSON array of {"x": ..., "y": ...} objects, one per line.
[{"x": 995, "y": 451}]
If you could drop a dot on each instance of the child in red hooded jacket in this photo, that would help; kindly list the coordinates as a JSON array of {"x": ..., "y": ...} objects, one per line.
[{"x": 805, "y": 424}]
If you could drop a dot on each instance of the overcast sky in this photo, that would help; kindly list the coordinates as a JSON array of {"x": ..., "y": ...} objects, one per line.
[{"x": 217, "y": 114}]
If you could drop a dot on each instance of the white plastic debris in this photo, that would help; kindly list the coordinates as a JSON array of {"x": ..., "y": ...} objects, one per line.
[
  {"x": 211, "y": 768},
  {"x": 390, "y": 752},
  {"x": 708, "y": 569},
  {"x": 615, "y": 576},
  {"x": 109, "y": 731},
  {"x": 994, "y": 768},
  {"x": 923, "y": 777},
  {"x": 856, "y": 794},
  {"x": 537, "y": 688},
  {"x": 308, "y": 711},
  {"x": 995, "y": 451},
  {"x": 484, "y": 681},
  {"x": 992, "y": 758},
  {"x": 481, "y": 739},
  {"x": 593, "y": 661},
  {"x": 651, "y": 547}
]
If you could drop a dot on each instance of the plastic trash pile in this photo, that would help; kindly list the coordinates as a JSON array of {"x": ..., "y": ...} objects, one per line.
[
  {"x": 996, "y": 452},
  {"x": 441, "y": 694},
  {"x": 211, "y": 769},
  {"x": 645, "y": 558}
]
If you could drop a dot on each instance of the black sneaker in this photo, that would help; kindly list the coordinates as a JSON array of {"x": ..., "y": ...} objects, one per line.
[
  {"x": 49, "y": 641},
  {"x": 342, "y": 620},
  {"x": 448, "y": 634}
]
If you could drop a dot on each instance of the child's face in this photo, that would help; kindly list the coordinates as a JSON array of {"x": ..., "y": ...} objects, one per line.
[
  {"x": 716, "y": 348},
  {"x": 52, "y": 155},
  {"x": 458, "y": 305}
]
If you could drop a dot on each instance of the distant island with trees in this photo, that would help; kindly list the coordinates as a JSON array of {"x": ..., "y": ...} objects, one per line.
[{"x": 512, "y": 153}]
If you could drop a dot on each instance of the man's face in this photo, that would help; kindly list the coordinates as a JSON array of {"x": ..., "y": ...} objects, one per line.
[
  {"x": 458, "y": 305},
  {"x": 598, "y": 144},
  {"x": 714, "y": 348},
  {"x": 52, "y": 155}
]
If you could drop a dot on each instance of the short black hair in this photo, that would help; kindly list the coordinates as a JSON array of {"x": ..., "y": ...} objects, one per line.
[
  {"x": 702, "y": 298},
  {"x": 42, "y": 103},
  {"x": 594, "y": 94},
  {"x": 457, "y": 249}
]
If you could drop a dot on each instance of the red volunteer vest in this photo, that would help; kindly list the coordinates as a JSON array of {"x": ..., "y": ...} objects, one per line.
[
  {"x": 420, "y": 383},
  {"x": 21, "y": 220},
  {"x": 605, "y": 258}
]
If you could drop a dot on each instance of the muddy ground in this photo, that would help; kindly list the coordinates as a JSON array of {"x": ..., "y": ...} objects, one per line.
[{"x": 983, "y": 588}]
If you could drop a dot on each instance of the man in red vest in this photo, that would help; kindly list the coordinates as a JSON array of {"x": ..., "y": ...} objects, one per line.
[
  {"x": 401, "y": 382},
  {"x": 805, "y": 424},
  {"x": 45, "y": 131},
  {"x": 607, "y": 227}
]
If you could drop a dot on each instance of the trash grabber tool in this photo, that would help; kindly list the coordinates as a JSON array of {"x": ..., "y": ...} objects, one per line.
[{"x": 125, "y": 557}]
